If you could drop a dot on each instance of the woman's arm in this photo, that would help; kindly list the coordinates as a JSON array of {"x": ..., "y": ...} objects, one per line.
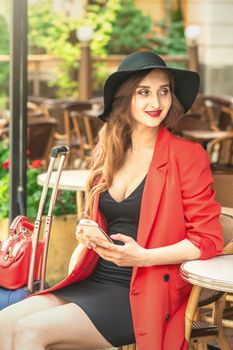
[
  {"x": 201, "y": 211},
  {"x": 173, "y": 254},
  {"x": 132, "y": 254}
]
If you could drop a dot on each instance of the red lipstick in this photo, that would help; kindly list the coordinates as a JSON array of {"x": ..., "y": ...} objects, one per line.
[{"x": 154, "y": 114}]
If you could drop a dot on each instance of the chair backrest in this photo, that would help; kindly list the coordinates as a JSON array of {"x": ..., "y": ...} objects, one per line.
[
  {"x": 86, "y": 127},
  {"x": 216, "y": 110},
  {"x": 191, "y": 121},
  {"x": 220, "y": 150},
  {"x": 68, "y": 109},
  {"x": 40, "y": 132},
  {"x": 223, "y": 186},
  {"x": 226, "y": 220}
]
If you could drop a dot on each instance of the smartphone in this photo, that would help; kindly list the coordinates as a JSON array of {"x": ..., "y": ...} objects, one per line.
[{"x": 91, "y": 228}]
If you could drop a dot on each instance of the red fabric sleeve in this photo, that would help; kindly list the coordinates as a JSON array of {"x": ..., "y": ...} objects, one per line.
[{"x": 200, "y": 208}]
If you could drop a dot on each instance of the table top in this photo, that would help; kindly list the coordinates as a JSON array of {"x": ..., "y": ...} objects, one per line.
[
  {"x": 73, "y": 180},
  {"x": 215, "y": 273},
  {"x": 205, "y": 134},
  {"x": 92, "y": 113},
  {"x": 226, "y": 210}
]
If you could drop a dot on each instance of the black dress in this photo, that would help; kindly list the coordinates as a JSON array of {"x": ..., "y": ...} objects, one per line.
[{"x": 104, "y": 296}]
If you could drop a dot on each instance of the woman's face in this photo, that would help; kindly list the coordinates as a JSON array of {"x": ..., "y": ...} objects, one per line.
[{"x": 152, "y": 99}]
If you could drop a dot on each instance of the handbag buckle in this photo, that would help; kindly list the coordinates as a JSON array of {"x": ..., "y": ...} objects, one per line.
[{"x": 8, "y": 255}]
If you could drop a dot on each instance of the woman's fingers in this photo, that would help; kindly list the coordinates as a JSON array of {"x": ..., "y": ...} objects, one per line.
[
  {"x": 78, "y": 233},
  {"x": 82, "y": 238}
]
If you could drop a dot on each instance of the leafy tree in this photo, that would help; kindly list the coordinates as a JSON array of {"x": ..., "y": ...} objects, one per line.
[
  {"x": 4, "y": 66},
  {"x": 172, "y": 41},
  {"x": 118, "y": 28},
  {"x": 131, "y": 30},
  {"x": 51, "y": 32}
]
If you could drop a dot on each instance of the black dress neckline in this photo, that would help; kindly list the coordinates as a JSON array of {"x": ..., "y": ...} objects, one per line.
[{"x": 130, "y": 195}]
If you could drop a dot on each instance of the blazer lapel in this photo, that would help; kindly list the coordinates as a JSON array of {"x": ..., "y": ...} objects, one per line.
[
  {"x": 153, "y": 190},
  {"x": 154, "y": 186}
]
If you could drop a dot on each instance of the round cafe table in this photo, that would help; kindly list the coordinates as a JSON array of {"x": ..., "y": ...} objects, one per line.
[
  {"x": 227, "y": 210},
  {"x": 204, "y": 135},
  {"x": 215, "y": 273},
  {"x": 73, "y": 180}
]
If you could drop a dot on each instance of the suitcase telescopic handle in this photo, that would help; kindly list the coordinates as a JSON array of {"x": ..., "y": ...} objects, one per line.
[
  {"x": 56, "y": 151},
  {"x": 60, "y": 151}
]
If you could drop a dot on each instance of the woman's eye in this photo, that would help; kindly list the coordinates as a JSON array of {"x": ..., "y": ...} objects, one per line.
[
  {"x": 143, "y": 92},
  {"x": 164, "y": 91}
]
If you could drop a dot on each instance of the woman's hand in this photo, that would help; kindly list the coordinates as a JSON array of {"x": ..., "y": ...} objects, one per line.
[
  {"x": 82, "y": 237},
  {"x": 129, "y": 254}
]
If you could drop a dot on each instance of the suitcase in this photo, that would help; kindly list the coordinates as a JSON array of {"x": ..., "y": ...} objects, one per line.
[{"x": 35, "y": 263}]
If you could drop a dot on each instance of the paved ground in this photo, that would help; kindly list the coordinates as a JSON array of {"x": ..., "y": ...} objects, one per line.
[{"x": 229, "y": 334}]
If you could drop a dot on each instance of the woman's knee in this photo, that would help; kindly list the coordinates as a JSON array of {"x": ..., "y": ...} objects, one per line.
[
  {"x": 6, "y": 319},
  {"x": 26, "y": 332}
]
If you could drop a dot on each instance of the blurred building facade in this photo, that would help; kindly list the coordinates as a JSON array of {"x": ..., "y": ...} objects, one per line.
[
  {"x": 215, "y": 42},
  {"x": 215, "y": 19}
]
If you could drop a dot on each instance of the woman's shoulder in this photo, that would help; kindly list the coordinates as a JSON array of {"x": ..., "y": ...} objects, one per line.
[
  {"x": 185, "y": 148},
  {"x": 177, "y": 144}
]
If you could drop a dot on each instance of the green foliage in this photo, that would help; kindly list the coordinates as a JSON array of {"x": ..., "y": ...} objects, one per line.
[
  {"x": 65, "y": 204},
  {"x": 119, "y": 28},
  {"x": 33, "y": 192},
  {"x": 51, "y": 33},
  {"x": 172, "y": 40},
  {"x": 4, "y": 155},
  {"x": 130, "y": 31},
  {"x": 4, "y": 196},
  {"x": 66, "y": 200},
  {"x": 101, "y": 16},
  {"x": 4, "y": 66}
]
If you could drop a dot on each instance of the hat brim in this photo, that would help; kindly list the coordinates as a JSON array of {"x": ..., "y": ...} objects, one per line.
[{"x": 186, "y": 86}]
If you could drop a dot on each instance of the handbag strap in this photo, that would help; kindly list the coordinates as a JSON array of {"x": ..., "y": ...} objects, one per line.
[{"x": 20, "y": 223}]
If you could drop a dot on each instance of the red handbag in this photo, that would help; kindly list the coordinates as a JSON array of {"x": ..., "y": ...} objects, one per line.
[
  {"x": 23, "y": 256},
  {"x": 15, "y": 254}
]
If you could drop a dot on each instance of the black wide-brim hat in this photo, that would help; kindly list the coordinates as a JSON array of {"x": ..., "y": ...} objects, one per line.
[{"x": 186, "y": 82}]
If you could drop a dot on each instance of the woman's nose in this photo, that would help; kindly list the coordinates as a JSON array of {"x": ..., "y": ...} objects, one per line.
[{"x": 155, "y": 101}]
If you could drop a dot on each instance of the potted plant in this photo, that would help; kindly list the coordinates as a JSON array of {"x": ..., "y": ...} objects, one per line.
[{"x": 63, "y": 241}]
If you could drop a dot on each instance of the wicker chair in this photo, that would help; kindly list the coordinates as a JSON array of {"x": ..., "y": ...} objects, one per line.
[
  {"x": 66, "y": 134},
  {"x": 86, "y": 126},
  {"x": 216, "y": 110},
  {"x": 223, "y": 186},
  {"x": 40, "y": 137},
  {"x": 220, "y": 152}
]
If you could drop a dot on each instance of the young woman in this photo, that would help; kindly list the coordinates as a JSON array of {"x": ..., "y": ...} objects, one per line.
[{"x": 150, "y": 191}]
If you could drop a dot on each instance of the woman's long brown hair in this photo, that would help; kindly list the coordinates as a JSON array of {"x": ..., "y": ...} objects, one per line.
[{"x": 114, "y": 137}]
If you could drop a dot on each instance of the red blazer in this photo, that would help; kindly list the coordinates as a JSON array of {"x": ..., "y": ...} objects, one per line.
[{"x": 178, "y": 202}]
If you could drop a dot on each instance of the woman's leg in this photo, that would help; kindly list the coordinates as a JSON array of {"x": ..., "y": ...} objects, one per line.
[
  {"x": 63, "y": 327},
  {"x": 10, "y": 315}
]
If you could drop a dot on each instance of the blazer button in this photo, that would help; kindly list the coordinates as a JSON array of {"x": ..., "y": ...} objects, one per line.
[
  {"x": 166, "y": 277},
  {"x": 167, "y": 317}
]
